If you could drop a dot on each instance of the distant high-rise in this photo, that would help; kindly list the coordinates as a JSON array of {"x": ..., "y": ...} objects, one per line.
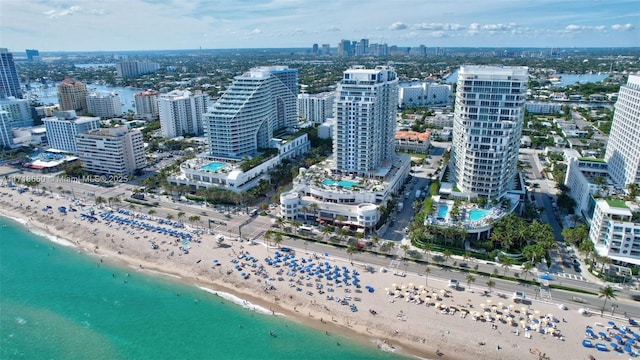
[
  {"x": 128, "y": 69},
  {"x": 623, "y": 147},
  {"x": 32, "y": 55},
  {"x": 251, "y": 110},
  {"x": 487, "y": 126},
  {"x": 316, "y": 108},
  {"x": 181, "y": 112},
  {"x": 64, "y": 126},
  {"x": 365, "y": 109},
  {"x": 314, "y": 49},
  {"x": 104, "y": 105},
  {"x": 72, "y": 95},
  {"x": 147, "y": 103},
  {"x": 9, "y": 80}
]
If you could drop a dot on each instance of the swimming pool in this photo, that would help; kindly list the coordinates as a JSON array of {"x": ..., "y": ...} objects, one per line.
[
  {"x": 341, "y": 183},
  {"x": 477, "y": 214},
  {"x": 442, "y": 211},
  {"x": 213, "y": 166}
]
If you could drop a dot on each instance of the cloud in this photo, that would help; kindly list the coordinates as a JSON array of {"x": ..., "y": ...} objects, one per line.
[
  {"x": 439, "y": 26},
  {"x": 398, "y": 26},
  {"x": 496, "y": 27},
  {"x": 52, "y": 14},
  {"x": 579, "y": 28},
  {"x": 625, "y": 27},
  {"x": 333, "y": 28},
  {"x": 256, "y": 31}
]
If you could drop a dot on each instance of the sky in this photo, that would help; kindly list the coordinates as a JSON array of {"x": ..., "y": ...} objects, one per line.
[{"x": 112, "y": 25}]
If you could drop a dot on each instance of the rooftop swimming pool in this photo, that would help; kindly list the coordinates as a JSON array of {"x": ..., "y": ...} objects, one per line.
[
  {"x": 213, "y": 166},
  {"x": 442, "y": 211},
  {"x": 477, "y": 214},
  {"x": 341, "y": 183}
]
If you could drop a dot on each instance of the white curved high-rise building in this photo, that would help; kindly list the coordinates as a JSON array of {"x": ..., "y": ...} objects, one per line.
[
  {"x": 487, "y": 126},
  {"x": 623, "y": 147},
  {"x": 255, "y": 106}
]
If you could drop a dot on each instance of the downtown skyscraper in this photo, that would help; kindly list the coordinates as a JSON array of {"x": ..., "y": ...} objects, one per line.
[
  {"x": 365, "y": 109},
  {"x": 487, "y": 126}
]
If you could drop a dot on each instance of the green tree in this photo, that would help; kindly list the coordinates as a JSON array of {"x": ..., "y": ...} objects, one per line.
[
  {"x": 181, "y": 215},
  {"x": 506, "y": 263},
  {"x": 447, "y": 254},
  {"x": 526, "y": 269},
  {"x": 427, "y": 270},
  {"x": 470, "y": 279},
  {"x": 491, "y": 284},
  {"x": 350, "y": 251},
  {"x": 606, "y": 292},
  {"x": 278, "y": 239}
]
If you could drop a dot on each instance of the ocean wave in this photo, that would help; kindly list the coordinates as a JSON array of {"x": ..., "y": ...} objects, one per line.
[
  {"x": 40, "y": 232},
  {"x": 238, "y": 301},
  {"x": 160, "y": 273},
  {"x": 52, "y": 238},
  {"x": 18, "y": 220}
]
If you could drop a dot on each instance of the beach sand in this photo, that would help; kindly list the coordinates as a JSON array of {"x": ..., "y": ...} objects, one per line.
[{"x": 409, "y": 328}]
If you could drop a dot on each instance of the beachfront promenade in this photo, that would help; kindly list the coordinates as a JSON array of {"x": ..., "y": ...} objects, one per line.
[{"x": 407, "y": 321}]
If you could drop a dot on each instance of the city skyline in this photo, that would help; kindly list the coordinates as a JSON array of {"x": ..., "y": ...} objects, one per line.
[{"x": 111, "y": 26}]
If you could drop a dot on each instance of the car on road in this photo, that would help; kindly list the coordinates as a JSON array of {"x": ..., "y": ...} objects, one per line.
[
  {"x": 518, "y": 296},
  {"x": 453, "y": 283},
  {"x": 635, "y": 297}
]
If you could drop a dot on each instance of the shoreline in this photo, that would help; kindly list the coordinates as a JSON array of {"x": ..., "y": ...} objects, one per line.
[
  {"x": 402, "y": 327},
  {"x": 224, "y": 290}
]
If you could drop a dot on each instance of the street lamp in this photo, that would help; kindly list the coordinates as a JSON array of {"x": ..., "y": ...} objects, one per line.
[{"x": 613, "y": 308}]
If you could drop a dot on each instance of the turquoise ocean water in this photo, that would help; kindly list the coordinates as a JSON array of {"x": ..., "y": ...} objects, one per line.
[{"x": 56, "y": 303}]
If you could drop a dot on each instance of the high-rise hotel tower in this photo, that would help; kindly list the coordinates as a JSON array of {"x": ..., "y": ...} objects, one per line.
[
  {"x": 255, "y": 106},
  {"x": 365, "y": 110},
  {"x": 623, "y": 147},
  {"x": 487, "y": 126}
]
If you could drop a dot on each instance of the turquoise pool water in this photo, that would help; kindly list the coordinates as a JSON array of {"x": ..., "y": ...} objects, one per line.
[
  {"x": 341, "y": 183},
  {"x": 442, "y": 211},
  {"x": 477, "y": 214},
  {"x": 213, "y": 166}
]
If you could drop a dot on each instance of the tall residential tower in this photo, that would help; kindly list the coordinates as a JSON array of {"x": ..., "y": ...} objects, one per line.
[
  {"x": 181, "y": 112},
  {"x": 72, "y": 95},
  {"x": 623, "y": 147},
  {"x": 9, "y": 80},
  {"x": 487, "y": 126},
  {"x": 249, "y": 113},
  {"x": 365, "y": 111}
]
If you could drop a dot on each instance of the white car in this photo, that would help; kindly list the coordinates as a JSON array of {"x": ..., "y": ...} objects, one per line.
[
  {"x": 453, "y": 283},
  {"x": 518, "y": 296}
]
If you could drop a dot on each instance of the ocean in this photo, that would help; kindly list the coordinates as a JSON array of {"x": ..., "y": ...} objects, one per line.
[{"x": 58, "y": 303}]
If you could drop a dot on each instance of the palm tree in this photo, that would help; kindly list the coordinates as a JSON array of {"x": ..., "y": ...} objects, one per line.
[
  {"x": 491, "y": 284},
  {"x": 506, "y": 263},
  {"x": 267, "y": 236},
  {"x": 427, "y": 270},
  {"x": 326, "y": 231},
  {"x": 447, "y": 254},
  {"x": 405, "y": 247},
  {"x": 350, "y": 250},
  {"x": 169, "y": 217},
  {"x": 151, "y": 212},
  {"x": 278, "y": 239},
  {"x": 99, "y": 199},
  {"x": 526, "y": 269},
  {"x": 607, "y": 293},
  {"x": 181, "y": 215},
  {"x": 470, "y": 279},
  {"x": 428, "y": 247}
]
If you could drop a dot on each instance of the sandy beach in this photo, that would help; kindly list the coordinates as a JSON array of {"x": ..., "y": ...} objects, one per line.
[{"x": 407, "y": 315}]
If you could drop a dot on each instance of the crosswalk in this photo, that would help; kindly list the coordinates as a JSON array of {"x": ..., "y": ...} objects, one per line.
[{"x": 571, "y": 276}]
